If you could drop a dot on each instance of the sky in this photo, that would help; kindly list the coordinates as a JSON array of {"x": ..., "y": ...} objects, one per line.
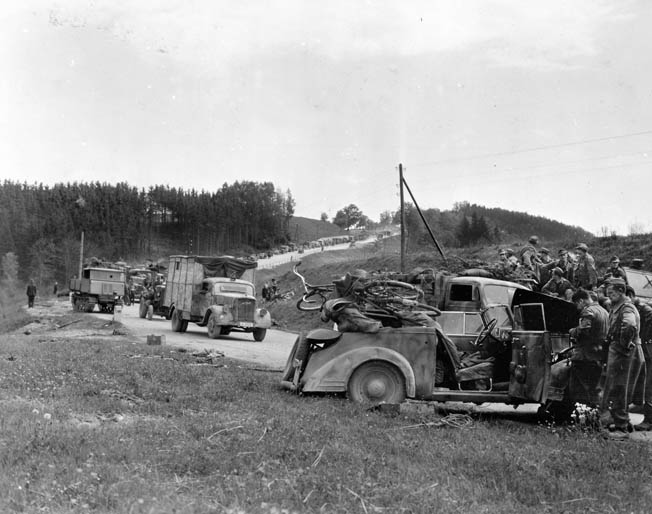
[{"x": 537, "y": 107}]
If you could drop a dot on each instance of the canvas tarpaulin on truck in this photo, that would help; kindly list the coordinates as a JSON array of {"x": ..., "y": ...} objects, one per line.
[{"x": 229, "y": 267}]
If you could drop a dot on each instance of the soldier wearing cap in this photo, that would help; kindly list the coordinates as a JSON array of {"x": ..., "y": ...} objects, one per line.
[
  {"x": 507, "y": 262},
  {"x": 565, "y": 263},
  {"x": 615, "y": 270},
  {"x": 544, "y": 255},
  {"x": 511, "y": 258},
  {"x": 558, "y": 285},
  {"x": 586, "y": 275},
  {"x": 624, "y": 359}
]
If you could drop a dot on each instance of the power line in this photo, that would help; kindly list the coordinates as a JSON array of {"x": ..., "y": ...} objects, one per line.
[{"x": 534, "y": 149}]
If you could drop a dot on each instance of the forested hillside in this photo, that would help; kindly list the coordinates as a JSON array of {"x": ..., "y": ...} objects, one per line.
[
  {"x": 42, "y": 225},
  {"x": 470, "y": 224}
]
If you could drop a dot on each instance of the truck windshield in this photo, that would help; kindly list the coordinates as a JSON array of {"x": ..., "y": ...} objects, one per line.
[
  {"x": 243, "y": 289},
  {"x": 499, "y": 294}
]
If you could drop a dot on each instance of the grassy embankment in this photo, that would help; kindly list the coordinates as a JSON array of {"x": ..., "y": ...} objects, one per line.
[{"x": 97, "y": 423}]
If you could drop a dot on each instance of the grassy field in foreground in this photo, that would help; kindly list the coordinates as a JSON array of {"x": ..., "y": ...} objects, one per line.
[{"x": 101, "y": 424}]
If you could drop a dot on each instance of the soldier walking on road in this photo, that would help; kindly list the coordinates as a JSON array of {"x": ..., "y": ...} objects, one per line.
[
  {"x": 624, "y": 359},
  {"x": 31, "y": 293}
]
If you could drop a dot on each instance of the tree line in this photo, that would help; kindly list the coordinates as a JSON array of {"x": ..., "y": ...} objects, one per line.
[{"x": 42, "y": 225}]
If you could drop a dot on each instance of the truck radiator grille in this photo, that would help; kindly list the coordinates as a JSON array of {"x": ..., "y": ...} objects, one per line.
[{"x": 243, "y": 309}]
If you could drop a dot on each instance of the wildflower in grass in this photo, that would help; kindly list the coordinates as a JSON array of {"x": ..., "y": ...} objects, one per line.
[
  {"x": 35, "y": 412},
  {"x": 47, "y": 416}
]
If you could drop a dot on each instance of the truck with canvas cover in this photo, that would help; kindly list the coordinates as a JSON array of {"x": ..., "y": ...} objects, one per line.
[
  {"x": 104, "y": 287},
  {"x": 214, "y": 292}
]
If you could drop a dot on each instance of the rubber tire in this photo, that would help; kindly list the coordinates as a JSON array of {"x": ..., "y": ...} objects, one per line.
[
  {"x": 299, "y": 351},
  {"x": 177, "y": 322},
  {"x": 150, "y": 311},
  {"x": 382, "y": 376},
  {"x": 184, "y": 325},
  {"x": 142, "y": 309},
  {"x": 259, "y": 334},
  {"x": 90, "y": 307},
  {"x": 214, "y": 330},
  {"x": 305, "y": 304},
  {"x": 225, "y": 331}
]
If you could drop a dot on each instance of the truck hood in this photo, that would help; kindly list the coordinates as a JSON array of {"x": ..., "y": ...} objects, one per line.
[{"x": 560, "y": 315}]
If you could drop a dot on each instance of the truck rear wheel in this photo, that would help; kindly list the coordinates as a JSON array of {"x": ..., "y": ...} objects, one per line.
[
  {"x": 177, "y": 322},
  {"x": 259, "y": 334},
  {"x": 214, "y": 330}
]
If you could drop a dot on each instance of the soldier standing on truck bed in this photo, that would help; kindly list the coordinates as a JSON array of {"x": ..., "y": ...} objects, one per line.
[{"x": 586, "y": 276}]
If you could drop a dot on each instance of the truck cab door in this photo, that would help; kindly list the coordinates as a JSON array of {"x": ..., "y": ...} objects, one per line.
[
  {"x": 201, "y": 299},
  {"x": 531, "y": 354}
]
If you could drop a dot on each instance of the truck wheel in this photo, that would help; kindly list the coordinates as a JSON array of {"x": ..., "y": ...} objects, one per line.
[
  {"x": 184, "y": 325},
  {"x": 90, "y": 307},
  {"x": 214, "y": 330},
  {"x": 259, "y": 334},
  {"x": 142, "y": 309},
  {"x": 177, "y": 322},
  {"x": 376, "y": 382},
  {"x": 150, "y": 311},
  {"x": 225, "y": 331}
]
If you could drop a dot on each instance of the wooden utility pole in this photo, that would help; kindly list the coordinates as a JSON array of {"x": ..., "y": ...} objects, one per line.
[
  {"x": 81, "y": 255},
  {"x": 403, "y": 228}
]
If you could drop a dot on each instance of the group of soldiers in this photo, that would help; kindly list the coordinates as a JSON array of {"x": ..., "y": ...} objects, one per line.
[{"x": 611, "y": 359}]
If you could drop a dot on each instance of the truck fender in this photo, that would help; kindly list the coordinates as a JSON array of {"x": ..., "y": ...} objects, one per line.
[
  {"x": 220, "y": 314},
  {"x": 262, "y": 318},
  {"x": 337, "y": 372}
]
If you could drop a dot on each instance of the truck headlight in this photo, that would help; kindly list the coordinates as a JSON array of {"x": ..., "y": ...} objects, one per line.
[{"x": 262, "y": 313}]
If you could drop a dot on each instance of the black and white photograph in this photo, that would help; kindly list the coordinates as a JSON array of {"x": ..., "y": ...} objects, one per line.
[{"x": 285, "y": 257}]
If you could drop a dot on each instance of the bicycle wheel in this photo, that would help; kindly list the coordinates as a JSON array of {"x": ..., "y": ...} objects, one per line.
[
  {"x": 306, "y": 304},
  {"x": 391, "y": 289}
]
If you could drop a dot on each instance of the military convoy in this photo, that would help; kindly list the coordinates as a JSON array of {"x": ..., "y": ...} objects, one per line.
[{"x": 214, "y": 292}]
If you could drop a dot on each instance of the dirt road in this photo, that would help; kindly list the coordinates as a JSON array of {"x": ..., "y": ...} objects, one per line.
[{"x": 271, "y": 353}]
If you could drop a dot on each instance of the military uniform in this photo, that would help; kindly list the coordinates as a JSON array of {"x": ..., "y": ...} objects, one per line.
[
  {"x": 585, "y": 274},
  {"x": 589, "y": 339},
  {"x": 624, "y": 361},
  {"x": 645, "y": 313},
  {"x": 557, "y": 287}
]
